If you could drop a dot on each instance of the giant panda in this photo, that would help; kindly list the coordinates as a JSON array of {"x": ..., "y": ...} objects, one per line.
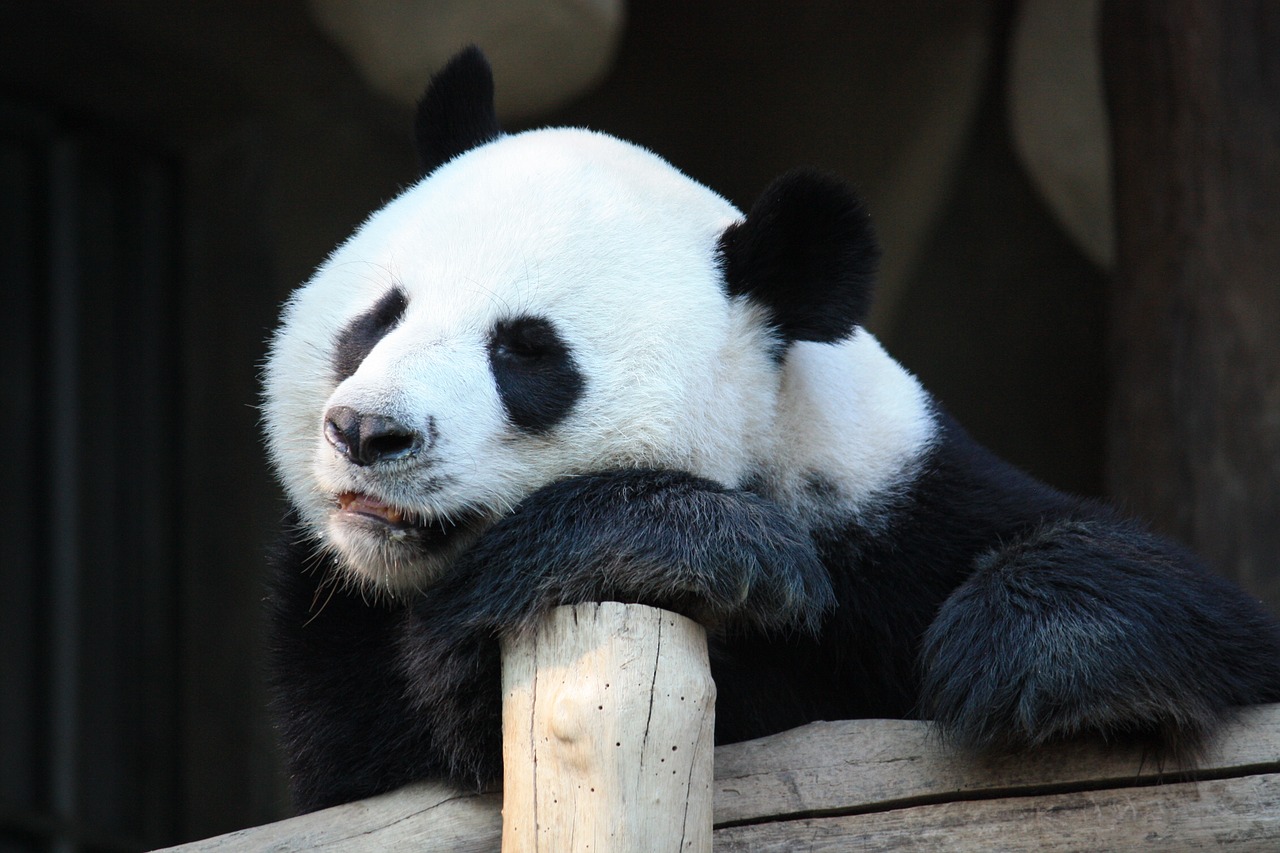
[{"x": 556, "y": 370}]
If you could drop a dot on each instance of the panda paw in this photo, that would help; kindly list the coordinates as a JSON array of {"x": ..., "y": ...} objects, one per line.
[
  {"x": 1095, "y": 628},
  {"x": 722, "y": 557}
]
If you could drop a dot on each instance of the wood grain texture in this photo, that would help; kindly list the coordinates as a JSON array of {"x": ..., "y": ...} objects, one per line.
[
  {"x": 864, "y": 765},
  {"x": 608, "y": 723},
  {"x": 1234, "y": 814},
  {"x": 426, "y": 816}
]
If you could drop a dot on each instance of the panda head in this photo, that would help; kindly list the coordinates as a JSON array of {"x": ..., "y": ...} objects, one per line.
[{"x": 541, "y": 305}]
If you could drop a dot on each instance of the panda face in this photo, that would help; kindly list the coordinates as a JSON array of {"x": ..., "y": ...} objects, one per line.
[{"x": 548, "y": 304}]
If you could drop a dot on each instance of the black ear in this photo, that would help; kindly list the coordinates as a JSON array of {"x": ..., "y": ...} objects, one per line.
[
  {"x": 456, "y": 112},
  {"x": 807, "y": 251}
]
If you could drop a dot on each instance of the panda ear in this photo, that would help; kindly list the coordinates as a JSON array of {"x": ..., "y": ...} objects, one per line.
[
  {"x": 808, "y": 253},
  {"x": 456, "y": 112}
]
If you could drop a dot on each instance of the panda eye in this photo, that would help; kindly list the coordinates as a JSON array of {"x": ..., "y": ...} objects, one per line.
[
  {"x": 526, "y": 339},
  {"x": 534, "y": 371}
]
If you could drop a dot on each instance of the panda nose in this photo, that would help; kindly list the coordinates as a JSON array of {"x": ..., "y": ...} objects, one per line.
[{"x": 368, "y": 439}]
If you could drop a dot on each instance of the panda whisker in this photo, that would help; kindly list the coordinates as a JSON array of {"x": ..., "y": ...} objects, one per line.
[
  {"x": 315, "y": 612},
  {"x": 388, "y": 274},
  {"x": 493, "y": 296}
]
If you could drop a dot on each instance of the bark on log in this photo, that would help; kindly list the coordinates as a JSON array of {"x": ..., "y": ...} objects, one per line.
[
  {"x": 1194, "y": 98},
  {"x": 608, "y": 723}
]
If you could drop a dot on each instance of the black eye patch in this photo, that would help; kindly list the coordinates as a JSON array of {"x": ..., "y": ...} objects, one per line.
[
  {"x": 536, "y": 376},
  {"x": 362, "y": 334}
]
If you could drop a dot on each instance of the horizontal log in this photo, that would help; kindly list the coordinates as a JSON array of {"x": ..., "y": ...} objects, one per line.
[
  {"x": 426, "y": 816},
  {"x": 866, "y": 765},
  {"x": 1242, "y": 814},
  {"x": 883, "y": 780}
]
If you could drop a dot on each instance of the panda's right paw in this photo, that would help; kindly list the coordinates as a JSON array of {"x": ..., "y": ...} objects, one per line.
[
  {"x": 1094, "y": 628},
  {"x": 662, "y": 538}
]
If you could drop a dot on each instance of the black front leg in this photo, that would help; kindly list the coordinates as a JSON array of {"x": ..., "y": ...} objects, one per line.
[
  {"x": 346, "y": 725},
  {"x": 1096, "y": 628},
  {"x": 723, "y": 557}
]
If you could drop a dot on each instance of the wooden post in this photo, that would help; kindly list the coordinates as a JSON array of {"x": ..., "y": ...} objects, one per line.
[
  {"x": 1194, "y": 96},
  {"x": 608, "y": 713}
]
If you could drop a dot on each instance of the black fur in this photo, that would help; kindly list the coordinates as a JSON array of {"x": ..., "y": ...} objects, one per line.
[
  {"x": 535, "y": 373},
  {"x": 807, "y": 251},
  {"x": 1099, "y": 627},
  {"x": 456, "y": 112},
  {"x": 362, "y": 334},
  {"x": 339, "y": 704}
]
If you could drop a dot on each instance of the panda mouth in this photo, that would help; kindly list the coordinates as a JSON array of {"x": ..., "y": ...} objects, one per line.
[
  {"x": 370, "y": 507},
  {"x": 399, "y": 524}
]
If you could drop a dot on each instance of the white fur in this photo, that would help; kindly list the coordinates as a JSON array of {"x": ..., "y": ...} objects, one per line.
[
  {"x": 854, "y": 417},
  {"x": 618, "y": 249}
]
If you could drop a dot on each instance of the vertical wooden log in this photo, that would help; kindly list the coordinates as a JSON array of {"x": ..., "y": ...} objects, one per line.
[
  {"x": 1194, "y": 99},
  {"x": 607, "y": 724}
]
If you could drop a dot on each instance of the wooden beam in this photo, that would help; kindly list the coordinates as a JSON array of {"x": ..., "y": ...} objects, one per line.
[
  {"x": 881, "y": 765},
  {"x": 426, "y": 816},
  {"x": 879, "y": 781},
  {"x": 1243, "y": 814}
]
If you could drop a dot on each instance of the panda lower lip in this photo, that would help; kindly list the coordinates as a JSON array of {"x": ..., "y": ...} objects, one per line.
[
  {"x": 371, "y": 507},
  {"x": 427, "y": 534}
]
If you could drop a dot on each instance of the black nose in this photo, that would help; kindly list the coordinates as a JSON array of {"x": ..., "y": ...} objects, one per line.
[{"x": 367, "y": 439}]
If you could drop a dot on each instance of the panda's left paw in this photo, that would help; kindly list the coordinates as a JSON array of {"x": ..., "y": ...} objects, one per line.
[
  {"x": 1094, "y": 628},
  {"x": 662, "y": 538}
]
